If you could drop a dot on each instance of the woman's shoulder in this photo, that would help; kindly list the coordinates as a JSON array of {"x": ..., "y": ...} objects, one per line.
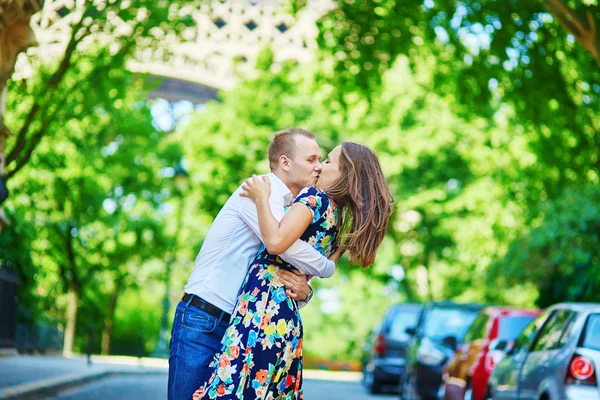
[
  {"x": 315, "y": 198},
  {"x": 314, "y": 192},
  {"x": 310, "y": 191}
]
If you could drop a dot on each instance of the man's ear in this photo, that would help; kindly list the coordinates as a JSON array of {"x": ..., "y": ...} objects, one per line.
[{"x": 284, "y": 163}]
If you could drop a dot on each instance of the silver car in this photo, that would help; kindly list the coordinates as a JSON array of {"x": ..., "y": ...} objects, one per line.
[{"x": 554, "y": 358}]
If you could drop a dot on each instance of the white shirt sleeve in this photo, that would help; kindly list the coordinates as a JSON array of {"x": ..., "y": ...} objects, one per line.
[{"x": 300, "y": 254}]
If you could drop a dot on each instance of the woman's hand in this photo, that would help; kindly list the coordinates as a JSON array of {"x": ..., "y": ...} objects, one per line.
[
  {"x": 256, "y": 189},
  {"x": 335, "y": 257}
]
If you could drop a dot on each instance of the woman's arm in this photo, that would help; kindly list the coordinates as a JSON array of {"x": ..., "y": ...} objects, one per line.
[{"x": 277, "y": 236}]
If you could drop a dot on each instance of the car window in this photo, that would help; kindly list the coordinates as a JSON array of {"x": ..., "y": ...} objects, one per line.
[
  {"x": 478, "y": 329},
  {"x": 591, "y": 338},
  {"x": 445, "y": 321},
  {"x": 525, "y": 339},
  {"x": 567, "y": 331},
  {"x": 401, "y": 320},
  {"x": 511, "y": 327},
  {"x": 550, "y": 334}
]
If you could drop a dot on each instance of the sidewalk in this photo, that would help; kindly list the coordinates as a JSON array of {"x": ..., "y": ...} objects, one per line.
[{"x": 34, "y": 376}]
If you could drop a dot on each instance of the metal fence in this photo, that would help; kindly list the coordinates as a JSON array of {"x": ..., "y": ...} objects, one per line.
[
  {"x": 34, "y": 337},
  {"x": 8, "y": 307},
  {"x": 38, "y": 338}
]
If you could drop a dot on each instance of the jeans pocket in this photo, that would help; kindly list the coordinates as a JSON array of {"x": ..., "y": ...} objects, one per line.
[{"x": 198, "y": 321}]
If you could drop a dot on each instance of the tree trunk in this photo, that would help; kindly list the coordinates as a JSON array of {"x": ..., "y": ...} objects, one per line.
[
  {"x": 4, "y": 132},
  {"x": 581, "y": 26},
  {"x": 73, "y": 299},
  {"x": 429, "y": 288},
  {"x": 429, "y": 260},
  {"x": 109, "y": 321},
  {"x": 15, "y": 37}
]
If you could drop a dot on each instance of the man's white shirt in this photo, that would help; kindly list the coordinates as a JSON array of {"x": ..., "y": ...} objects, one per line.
[{"x": 233, "y": 241}]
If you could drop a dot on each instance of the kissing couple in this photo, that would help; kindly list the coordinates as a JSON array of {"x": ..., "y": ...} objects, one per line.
[{"x": 237, "y": 332}]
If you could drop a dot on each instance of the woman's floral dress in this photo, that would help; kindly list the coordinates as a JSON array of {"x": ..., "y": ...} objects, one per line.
[{"x": 261, "y": 357}]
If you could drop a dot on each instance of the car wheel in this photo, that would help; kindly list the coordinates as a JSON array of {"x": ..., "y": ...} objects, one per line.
[{"x": 371, "y": 384}]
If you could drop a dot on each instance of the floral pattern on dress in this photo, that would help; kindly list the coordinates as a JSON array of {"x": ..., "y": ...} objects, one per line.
[{"x": 261, "y": 354}]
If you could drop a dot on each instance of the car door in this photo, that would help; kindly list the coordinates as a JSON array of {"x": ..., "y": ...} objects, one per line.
[
  {"x": 457, "y": 369},
  {"x": 413, "y": 345},
  {"x": 397, "y": 337},
  {"x": 505, "y": 377},
  {"x": 537, "y": 363}
]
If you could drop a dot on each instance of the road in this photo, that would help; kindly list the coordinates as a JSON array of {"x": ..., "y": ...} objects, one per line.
[{"x": 153, "y": 387}]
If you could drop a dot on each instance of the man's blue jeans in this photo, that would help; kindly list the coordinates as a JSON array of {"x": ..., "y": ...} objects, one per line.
[{"x": 195, "y": 339}]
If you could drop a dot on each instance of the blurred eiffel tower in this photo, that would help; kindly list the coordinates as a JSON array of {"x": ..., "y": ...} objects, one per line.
[{"x": 224, "y": 43}]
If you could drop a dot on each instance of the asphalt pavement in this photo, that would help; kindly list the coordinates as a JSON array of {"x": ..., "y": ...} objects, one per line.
[
  {"x": 129, "y": 378},
  {"x": 154, "y": 387}
]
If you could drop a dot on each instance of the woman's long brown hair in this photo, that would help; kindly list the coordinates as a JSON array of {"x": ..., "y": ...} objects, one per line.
[{"x": 363, "y": 193}]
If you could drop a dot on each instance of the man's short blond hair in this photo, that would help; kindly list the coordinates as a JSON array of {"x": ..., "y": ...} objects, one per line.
[{"x": 284, "y": 144}]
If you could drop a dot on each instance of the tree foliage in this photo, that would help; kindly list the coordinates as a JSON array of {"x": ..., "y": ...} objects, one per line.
[{"x": 483, "y": 114}]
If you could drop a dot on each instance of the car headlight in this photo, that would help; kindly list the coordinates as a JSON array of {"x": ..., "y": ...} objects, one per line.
[{"x": 428, "y": 354}]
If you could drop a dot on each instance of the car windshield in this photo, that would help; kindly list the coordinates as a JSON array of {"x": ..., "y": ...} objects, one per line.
[
  {"x": 591, "y": 339},
  {"x": 511, "y": 327},
  {"x": 444, "y": 322},
  {"x": 403, "y": 319}
]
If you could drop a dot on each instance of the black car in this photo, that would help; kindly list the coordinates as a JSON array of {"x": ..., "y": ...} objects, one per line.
[
  {"x": 441, "y": 327},
  {"x": 383, "y": 360}
]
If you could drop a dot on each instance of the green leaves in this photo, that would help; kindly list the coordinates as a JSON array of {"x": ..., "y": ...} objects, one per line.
[{"x": 561, "y": 254}]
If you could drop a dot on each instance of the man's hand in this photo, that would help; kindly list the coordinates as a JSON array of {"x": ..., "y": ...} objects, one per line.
[{"x": 296, "y": 286}]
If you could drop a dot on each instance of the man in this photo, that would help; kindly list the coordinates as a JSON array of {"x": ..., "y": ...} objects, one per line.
[{"x": 232, "y": 242}]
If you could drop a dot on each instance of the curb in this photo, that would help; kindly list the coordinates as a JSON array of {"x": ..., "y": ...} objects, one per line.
[
  {"x": 8, "y": 352},
  {"x": 340, "y": 376},
  {"x": 51, "y": 386}
]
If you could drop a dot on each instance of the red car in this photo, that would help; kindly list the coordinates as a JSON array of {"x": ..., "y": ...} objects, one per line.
[{"x": 466, "y": 375}]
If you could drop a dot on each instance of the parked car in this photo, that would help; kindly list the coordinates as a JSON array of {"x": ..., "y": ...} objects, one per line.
[
  {"x": 467, "y": 373},
  {"x": 384, "y": 355},
  {"x": 555, "y": 358},
  {"x": 440, "y": 328}
]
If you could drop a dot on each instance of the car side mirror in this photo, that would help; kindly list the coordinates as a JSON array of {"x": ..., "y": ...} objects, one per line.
[
  {"x": 412, "y": 331},
  {"x": 451, "y": 342}
]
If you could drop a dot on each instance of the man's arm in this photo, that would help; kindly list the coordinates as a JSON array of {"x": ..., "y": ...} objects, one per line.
[
  {"x": 308, "y": 260},
  {"x": 300, "y": 254}
]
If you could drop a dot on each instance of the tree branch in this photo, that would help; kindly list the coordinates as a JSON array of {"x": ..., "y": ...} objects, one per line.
[
  {"x": 71, "y": 259},
  {"x": 21, "y": 140},
  {"x": 583, "y": 28},
  {"x": 53, "y": 82},
  {"x": 35, "y": 140}
]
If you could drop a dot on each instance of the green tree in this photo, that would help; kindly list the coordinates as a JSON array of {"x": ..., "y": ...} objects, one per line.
[
  {"x": 560, "y": 254},
  {"x": 536, "y": 59},
  {"x": 453, "y": 217},
  {"x": 97, "y": 191},
  {"x": 530, "y": 69},
  {"x": 91, "y": 72}
]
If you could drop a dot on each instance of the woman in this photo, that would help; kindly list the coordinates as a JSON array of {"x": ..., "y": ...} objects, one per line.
[{"x": 262, "y": 348}]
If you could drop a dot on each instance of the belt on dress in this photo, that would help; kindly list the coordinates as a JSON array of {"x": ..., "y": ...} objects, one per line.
[{"x": 206, "y": 306}]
